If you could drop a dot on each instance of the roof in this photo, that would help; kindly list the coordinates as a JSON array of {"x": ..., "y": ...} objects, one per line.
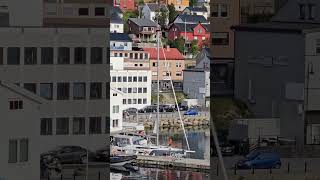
[
  {"x": 23, "y": 92},
  {"x": 171, "y": 54},
  {"x": 197, "y": 9},
  {"x": 143, "y": 22},
  {"x": 120, "y": 37},
  {"x": 155, "y": 6},
  {"x": 286, "y": 27},
  {"x": 116, "y": 9},
  {"x": 193, "y": 18},
  {"x": 189, "y": 27},
  {"x": 115, "y": 19}
]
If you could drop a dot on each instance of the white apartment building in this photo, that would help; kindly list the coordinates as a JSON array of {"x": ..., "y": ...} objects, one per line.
[
  {"x": 116, "y": 109},
  {"x": 68, "y": 67},
  {"x": 135, "y": 84}
]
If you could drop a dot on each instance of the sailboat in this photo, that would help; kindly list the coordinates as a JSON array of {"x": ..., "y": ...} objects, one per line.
[{"x": 137, "y": 145}]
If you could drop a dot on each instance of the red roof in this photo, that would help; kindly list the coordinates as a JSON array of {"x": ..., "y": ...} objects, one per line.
[{"x": 171, "y": 53}]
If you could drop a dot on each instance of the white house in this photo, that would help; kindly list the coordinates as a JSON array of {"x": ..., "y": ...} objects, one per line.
[
  {"x": 151, "y": 10},
  {"x": 20, "y": 115},
  {"x": 116, "y": 24},
  {"x": 201, "y": 11},
  {"x": 116, "y": 109},
  {"x": 134, "y": 83},
  {"x": 196, "y": 81},
  {"x": 120, "y": 41}
]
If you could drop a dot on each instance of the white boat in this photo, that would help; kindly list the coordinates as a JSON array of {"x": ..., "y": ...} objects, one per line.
[
  {"x": 132, "y": 126},
  {"x": 115, "y": 176}
]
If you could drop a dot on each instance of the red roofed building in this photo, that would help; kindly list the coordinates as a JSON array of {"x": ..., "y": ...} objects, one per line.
[
  {"x": 173, "y": 65},
  {"x": 125, "y": 4}
]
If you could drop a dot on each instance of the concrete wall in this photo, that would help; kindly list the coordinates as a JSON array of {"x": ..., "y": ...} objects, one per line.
[
  {"x": 21, "y": 16},
  {"x": 269, "y": 68}
]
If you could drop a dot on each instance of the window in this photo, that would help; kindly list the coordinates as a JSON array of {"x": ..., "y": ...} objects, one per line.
[
  {"x": 220, "y": 38},
  {"x": 96, "y": 55},
  {"x": 139, "y": 101},
  {"x": 83, "y": 12},
  {"x": 62, "y": 126},
  {"x": 195, "y": 38},
  {"x": 215, "y": 10},
  {"x": 67, "y": 11},
  {"x": 223, "y": 10},
  {"x": 134, "y": 101},
  {"x": 1, "y": 55},
  {"x": 129, "y": 90},
  {"x": 302, "y": 11},
  {"x": 134, "y": 79},
  {"x": 178, "y": 64},
  {"x": 134, "y": 90},
  {"x": 114, "y": 79},
  {"x": 115, "y": 123},
  {"x": 125, "y": 90},
  {"x": 96, "y": 90},
  {"x": 130, "y": 79},
  {"x": 144, "y": 101},
  {"x": 79, "y": 125},
  {"x": 203, "y": 38},
  {"x": 63, "y": 91},
  {"x": 99, "y": 11},
  {"x": 95, "y": 125},
  {"x": 63, "y": 55},
  {"x": 15, "y": 104},
  {"x": 311, "y": 11},
  {"x": 144, "y": 90},
  {"x": 80, "y": 55},
  {"x": 140, "y": 78},
  {"x": 46, "y": 55},
  {"x": 154, "y": 73},
  {"x": 318, "y": 46},
  {"x": 115, "y": 109},
  {"x": 46, "y": 90},
  {"x": 79, "y": 91},
  {"x": 30, "y": 55},
  {"x": 119, "y": 79},
  {"x": 124, "y": 101},
  {"x": 129, "y": 101},
  {"x": 46, "y": 126},
  {"x": 178, "y": 73},
  {"x": 145, "y": 78},
  {"x": 124, "y": 78},
  {"x": 13, "y": 56},
  {"x": 107, "y": 90},
  {"x": 24, "y": 150},
  {"x": 32, "y": 87},
  {"x": 139, "y": 90},
  {"x": 13, "y": 151}
]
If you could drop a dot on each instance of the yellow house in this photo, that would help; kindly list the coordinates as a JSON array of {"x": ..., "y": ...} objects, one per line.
[{"x": 180, "y": 5}]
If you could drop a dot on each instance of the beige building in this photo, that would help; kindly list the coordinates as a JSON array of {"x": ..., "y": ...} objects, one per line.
[{"x": 224, "y": 14}]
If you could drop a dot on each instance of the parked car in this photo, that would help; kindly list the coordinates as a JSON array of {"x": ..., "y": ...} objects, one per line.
[
  {"x": 166, "y": 108},
  {"x": 227, "y": 149},
  {"x": 103, "y": 154},
  {"x": 149, "y": 109},
  {"x": 191, "y": 112},
  {"x": 67, "y": 155},
  {"x": 260, "y": 160},
  {"x": 131, "y": 111},
  {"x": 182, "y": 108}
]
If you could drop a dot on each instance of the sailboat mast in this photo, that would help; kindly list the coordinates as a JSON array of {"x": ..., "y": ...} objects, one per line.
[{"x": 158, "y": 85}]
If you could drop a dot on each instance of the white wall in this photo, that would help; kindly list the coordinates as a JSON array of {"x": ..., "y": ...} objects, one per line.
[
  {"x": 25, "y": 13},
  {"x": 117, "y": 63},
  {"x": 115, "y": 100},
  {"x": 17, "y": 124},
  {"x": 120, "y": 45},
  {"x": 116, "y": 27}
]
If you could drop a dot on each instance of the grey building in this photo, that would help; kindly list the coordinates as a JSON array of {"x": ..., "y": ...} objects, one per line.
[{"x": 272, "y": 69}]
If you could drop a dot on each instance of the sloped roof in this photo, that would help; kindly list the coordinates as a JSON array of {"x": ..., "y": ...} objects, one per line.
[
  {"x": 155, "y": 6},
  {"x": 116, "y": 19},
  {"x": 189, "y": 27},
  {"x": 193, "y": 18},
  {"x": 143, "y": 22},
  {"x": 23, "y": 92},
  {"x": 115, "y": 9},
  {"x": 120, "y": 37},
  {"x": 171, "y": 54},
  {"x": 197, "y": 9}
]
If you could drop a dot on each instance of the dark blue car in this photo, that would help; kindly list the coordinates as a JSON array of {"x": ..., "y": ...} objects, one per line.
[
  {"x": 191, "y": 112},
  {"x": 260, "y": 160}
]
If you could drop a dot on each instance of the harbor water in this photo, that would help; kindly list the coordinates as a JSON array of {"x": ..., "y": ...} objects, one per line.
[{"x": 199, "y": 141}]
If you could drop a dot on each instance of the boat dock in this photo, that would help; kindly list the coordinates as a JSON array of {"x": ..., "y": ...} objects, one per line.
[{"x": 174, "y": 163}]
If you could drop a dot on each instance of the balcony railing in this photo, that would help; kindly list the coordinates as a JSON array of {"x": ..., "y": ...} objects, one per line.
[{"x": 117, "y": 47}]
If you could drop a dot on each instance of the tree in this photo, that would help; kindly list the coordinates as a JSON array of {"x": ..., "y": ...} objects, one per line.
[
  {"x": 194, "y": 47},
  {"x": 178, "y": 43},
  {"x": 172, "y": 13},
  {"x": 161, "y": 17},
  {"x": 193, "y": 3}
]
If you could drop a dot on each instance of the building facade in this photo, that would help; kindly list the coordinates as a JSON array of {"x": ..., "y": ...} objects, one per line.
[{"x": 116, "y": 110}]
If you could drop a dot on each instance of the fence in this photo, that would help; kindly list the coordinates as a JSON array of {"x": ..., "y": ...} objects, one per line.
[{"x": 100, "y": 175}]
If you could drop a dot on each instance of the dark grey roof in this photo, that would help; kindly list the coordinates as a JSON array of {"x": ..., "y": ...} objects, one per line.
[
  {"x": 188, "y": 27},
  {"x": 277, "y": 27},
  {"x": 115, "y": 9},
  {"x": 193, "y": 18},
  {"x": 155, "y": 6},
  {"x": 143, "y": 22},
  {"x": 198, "y": 9},
  {"x": 115, "y": 19},
  {"x": 120, "y": 37}
]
